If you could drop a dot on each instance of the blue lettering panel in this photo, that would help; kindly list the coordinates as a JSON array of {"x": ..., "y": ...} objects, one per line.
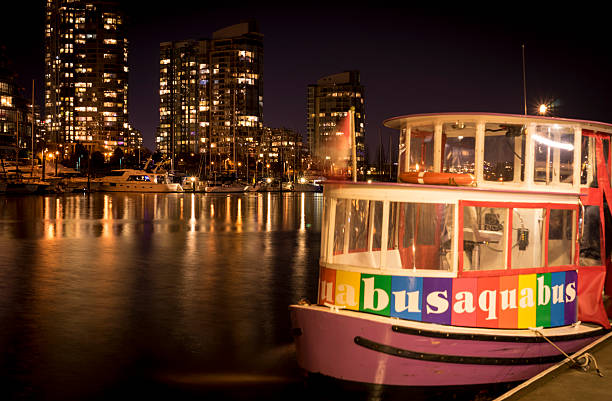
[
  {"x": 406, "y": 297},
  {"x": 557, "y": 299}
]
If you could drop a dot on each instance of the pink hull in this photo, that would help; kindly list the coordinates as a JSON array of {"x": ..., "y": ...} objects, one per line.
[{"x": 346, "y": 346}]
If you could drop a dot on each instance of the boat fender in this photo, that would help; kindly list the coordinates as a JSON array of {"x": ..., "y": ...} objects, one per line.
[{"x": 427, "y": 177}]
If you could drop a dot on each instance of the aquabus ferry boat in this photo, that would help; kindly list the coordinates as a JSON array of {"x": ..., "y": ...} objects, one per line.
[{"x": 489, "y": 247}]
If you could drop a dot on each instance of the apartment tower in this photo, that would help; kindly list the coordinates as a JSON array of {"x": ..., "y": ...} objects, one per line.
[
  {"x": 86, "y": 76},
  {"x": 329, "y": 100},
  {"x": 211, "y": 96}
]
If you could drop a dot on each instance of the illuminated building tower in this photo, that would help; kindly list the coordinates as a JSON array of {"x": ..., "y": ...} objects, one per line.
[
  {"x": 328, "y": 101},
  {"x": 15, "y": 115},
  {"x": 86, "y": 75},
  {"x": 211, "y": 96}
]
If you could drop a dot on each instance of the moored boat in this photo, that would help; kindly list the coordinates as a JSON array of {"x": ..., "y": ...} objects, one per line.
[
  {"x": 487, "y": 249},
  {"x": 227, "y": 188},
  {"x": 131, "y": 180}
]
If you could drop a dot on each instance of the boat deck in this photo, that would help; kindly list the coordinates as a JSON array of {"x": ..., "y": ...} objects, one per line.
[{"x": 564, "y": 383}]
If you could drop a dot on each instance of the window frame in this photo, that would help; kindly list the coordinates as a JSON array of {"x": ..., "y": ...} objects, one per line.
[{"x": 508, "y": 270}]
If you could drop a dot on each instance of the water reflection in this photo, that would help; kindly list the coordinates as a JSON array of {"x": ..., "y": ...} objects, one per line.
[{"x": 116, "y": 291}]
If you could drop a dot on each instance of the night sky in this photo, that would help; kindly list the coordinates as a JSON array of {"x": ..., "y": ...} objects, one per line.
[{"x": 411, "y": 59}]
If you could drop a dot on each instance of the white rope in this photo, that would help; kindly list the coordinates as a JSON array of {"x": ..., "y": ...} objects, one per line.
[{"x": 583, "y": 361}]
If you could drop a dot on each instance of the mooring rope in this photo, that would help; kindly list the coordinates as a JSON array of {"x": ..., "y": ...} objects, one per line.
[{"x": 583, "y": 361}]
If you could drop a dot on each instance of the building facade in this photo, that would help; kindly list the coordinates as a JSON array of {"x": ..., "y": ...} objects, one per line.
[
  {"x": 86, "y": 76},
  {"x": 329, "y": 100},
  {"x": 211, "y": 96},
  {"x": 16, "y": 115},
  {"x": 281, "y": 151}
]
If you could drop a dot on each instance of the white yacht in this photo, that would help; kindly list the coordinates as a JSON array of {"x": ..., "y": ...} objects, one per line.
[{"x": 130, "y": 180}]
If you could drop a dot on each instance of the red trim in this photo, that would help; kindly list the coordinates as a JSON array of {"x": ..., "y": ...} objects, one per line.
[
  {"x": 513, "y": 272},
  {"x": 548, "y": 206},
  {"x": 522, "y": 205},
  {"x": 576, "y": 240},
  {"x": 509, "y": 239},
  {"x": 546, "y": 236}
]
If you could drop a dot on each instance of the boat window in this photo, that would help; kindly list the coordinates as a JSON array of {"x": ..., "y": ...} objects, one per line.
[
  {"x": 420, "y": 236},
  {"x": 402, "y": 151},
  {"x": 504, "y": 150},
  {"x": 139, "y": 178},
  {"x": 340, "y": 225},
  {"x": 528, "y": 232},
  {"x": 327, "y": 205},
  {"x": 358, "y": 223},
  {"x": 587, "y": 161},
  {"x": 484, "y": 238},
  {"x": 554, "y": 154},
  {"x": 561, "y": 227},
  {"x": 590, "y": 243},
  {"x": 357, "y": 232},
  {"x": 116, "y": 173},
  {"x": 422, "y": 148},
  {"x": 458, "y": 141}
]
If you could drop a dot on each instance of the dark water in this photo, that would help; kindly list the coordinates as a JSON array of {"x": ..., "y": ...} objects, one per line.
[
  {"x": 170, "y": 295},
  {"x": 161, "y": 296}
]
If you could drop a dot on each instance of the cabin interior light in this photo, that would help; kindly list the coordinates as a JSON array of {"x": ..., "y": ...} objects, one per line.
[{"x": 551, "y": 143}]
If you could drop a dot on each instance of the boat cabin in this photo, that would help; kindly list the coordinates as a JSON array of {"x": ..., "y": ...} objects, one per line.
[{"x": 488, "y": 202}]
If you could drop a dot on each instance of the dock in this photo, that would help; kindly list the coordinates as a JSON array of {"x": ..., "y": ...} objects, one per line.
[{"x": 563, "y": 382}]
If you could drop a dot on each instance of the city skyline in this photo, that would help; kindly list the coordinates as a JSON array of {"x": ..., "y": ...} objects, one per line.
[{"x": 411, "y": 61}]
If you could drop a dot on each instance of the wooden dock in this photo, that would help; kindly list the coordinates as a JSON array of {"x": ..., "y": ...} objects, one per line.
[{"x": 562, "y": 382}]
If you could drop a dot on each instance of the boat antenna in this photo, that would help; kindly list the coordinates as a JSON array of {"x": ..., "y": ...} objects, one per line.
[{"x": 524, "y": 81}]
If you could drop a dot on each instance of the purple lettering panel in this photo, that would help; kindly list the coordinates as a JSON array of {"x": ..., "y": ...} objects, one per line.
[
  {"x": 437, "y": 300},
  {"x": 571, "y": 308}
]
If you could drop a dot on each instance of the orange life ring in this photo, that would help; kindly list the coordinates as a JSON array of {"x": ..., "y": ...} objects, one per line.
[{"x": 425, "y": 177}]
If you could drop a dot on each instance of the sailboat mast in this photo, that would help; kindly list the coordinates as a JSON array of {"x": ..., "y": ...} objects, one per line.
[{"x": 32, "y": 171}]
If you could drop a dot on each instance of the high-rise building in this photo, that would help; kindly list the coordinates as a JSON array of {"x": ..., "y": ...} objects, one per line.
[
  {"x": 211, "y": 95},
  {"x": 86, "y": 75},
  {"x": 16, "y": 116},
  {"x": 329, "y": 100}
]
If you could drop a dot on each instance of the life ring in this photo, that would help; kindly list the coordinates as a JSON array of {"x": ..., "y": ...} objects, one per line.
[{"x": 425, "y": 177}]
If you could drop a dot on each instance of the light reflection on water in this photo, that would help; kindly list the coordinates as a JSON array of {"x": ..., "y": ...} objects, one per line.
[{"x": 108, "y": 292}]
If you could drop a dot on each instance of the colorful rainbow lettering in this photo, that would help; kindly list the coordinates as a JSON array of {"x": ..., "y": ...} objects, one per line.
[{"x": 519, "y": 301}]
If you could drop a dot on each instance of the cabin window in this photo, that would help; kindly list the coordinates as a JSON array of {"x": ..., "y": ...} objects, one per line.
[
  {"x": 528, "y": 233},
  {"x": 139, "y": 178},
  {"x": 357, "y": 232},
  {"x": 561, "y": 227},
  {"x": 420, "y": 236},
  {"x": 520, "y": 236},
  {"x": 590, "y": 243},
  {"x": 340, "y": 225},
  {"x": 587, "y": 161},
  {"x": 484, "y": 236},
  {"x": 458, "y": 142},
  {"x": 402, "y": 151},
  {"x": 504, "y": 153},
  {"x": 422, "y": 148},
  {"x": 554, "y": 154}
]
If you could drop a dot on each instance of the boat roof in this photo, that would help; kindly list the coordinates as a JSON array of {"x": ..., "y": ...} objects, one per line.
[{"x": 400, "y": 121}]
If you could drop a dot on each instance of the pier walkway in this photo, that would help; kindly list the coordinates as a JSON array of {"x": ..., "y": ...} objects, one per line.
[{"x": 565, "y": 383}]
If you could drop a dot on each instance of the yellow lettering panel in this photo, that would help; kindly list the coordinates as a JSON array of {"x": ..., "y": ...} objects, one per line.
[{"x": 347, "y": 289}]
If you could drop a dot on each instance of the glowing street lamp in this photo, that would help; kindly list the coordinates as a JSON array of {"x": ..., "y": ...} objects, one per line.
[{"x": 543, "y": 109}]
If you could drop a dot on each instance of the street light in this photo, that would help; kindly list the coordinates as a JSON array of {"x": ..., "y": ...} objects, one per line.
[{"x": 543, "y": 109}]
